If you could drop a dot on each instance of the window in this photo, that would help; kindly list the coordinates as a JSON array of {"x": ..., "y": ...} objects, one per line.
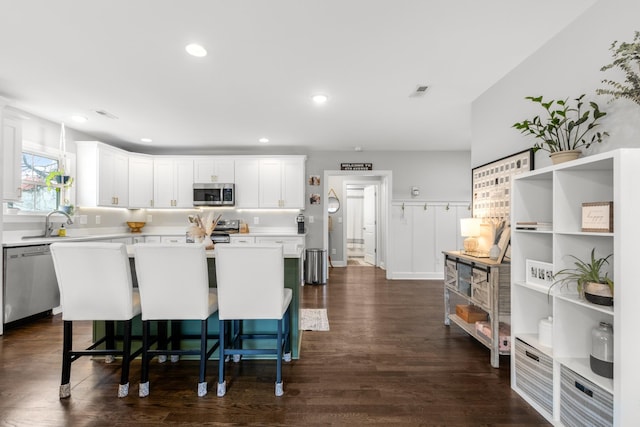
[{"x": 36, "y": 197}]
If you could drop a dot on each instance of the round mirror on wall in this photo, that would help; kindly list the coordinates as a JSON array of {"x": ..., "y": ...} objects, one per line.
[{"x": 333, "y": 204}]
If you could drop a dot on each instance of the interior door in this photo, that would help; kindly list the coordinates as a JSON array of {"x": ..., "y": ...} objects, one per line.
[{"x": 369, "y": 224}]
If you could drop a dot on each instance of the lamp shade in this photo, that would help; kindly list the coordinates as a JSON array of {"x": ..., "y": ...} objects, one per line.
[{"x": 470, "y": 227}]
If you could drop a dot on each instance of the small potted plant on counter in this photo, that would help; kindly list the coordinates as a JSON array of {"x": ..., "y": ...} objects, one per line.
[
  {"x": 591, "y": 281},
  {"x": 565, "y": 129}
]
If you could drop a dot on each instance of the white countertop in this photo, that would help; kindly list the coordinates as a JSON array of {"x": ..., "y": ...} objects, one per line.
[{"x": 13, "y": 239}]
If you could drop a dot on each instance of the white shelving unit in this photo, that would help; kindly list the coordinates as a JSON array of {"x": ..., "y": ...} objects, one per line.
[{"x": 555, "y": 194}]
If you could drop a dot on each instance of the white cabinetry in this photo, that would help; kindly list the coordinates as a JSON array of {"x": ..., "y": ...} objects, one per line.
[
  {"x": 290, "y": 244},
  {"x": 11, "y": 158},
  {"x": 173, "y": 239},
  {"x": 103, "y": 175},
  {"x": 420, "y": 232},
  {"x": 140, "y": 181},
  {"x": 555, "y": 194},
  {"x": 239, "y": 239},
  {"x": 213, "y": 169},
  {"x": 282, "y": 183},
  {"x": 173, "y": 182},
  {"x": 247, "y": 183}
]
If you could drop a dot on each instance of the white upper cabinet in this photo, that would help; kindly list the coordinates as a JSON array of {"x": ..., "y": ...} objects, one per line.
[
  {"x": 173, "y": 182},
  {"x": 282, "y": 182},
  {"x": 12, "y": 150},
  {"x": 213, "y": 169},
  {"x": 247, "y": 183},
  {"x": 140, "y": 181},
  {"x": 103, "y": 175}
]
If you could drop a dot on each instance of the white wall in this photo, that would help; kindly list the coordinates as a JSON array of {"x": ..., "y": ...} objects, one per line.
[{"x": 566, "y": 67}]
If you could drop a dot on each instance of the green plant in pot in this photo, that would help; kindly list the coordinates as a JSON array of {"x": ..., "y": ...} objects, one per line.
[
  {"x": 59, "y": 181},
  {"x": 626, "y": 57},
  {"x": 565, "y": 128},
  {"x": 590, "y": 278}
]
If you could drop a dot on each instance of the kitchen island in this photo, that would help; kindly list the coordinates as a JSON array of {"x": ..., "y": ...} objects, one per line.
[{"x": 292, "y": 265}]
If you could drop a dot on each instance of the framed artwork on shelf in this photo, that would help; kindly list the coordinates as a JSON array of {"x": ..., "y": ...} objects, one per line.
[
  {"x": 597, "y": 217},
  {"x": 491, "y": 185},
  {"x": 539, "y": 273}
]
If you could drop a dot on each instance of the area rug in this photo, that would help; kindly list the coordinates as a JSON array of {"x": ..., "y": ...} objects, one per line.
[{"x": 314, "y": 319}]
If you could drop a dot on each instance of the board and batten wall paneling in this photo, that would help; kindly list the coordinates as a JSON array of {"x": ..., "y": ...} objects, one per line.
[{"x": 420, "y": 231}]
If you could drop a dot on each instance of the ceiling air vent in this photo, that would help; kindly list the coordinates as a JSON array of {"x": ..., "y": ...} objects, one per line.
[
  {"x": 420, "y": 90},
  {"x": 107, "y": 114}
]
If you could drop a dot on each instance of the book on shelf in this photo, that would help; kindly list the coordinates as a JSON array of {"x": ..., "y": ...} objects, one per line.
[{"x": 533, "y": 225}]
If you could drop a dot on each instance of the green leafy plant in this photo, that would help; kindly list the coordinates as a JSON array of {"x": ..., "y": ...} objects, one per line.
[
  {"x": 626, "y": 56},
  {"x": 56, "y": 179},
  {"x": 565, "y": 127},
  {"x": 584, "y": 272}
]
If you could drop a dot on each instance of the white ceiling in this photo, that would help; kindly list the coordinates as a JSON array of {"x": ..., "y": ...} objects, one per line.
[{"x": 266, "y": 59}]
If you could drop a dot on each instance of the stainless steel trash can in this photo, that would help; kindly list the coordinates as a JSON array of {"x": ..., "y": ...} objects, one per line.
[{"x": 315, "y": 267}]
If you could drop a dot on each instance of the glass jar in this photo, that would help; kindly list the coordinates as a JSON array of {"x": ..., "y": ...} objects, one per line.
[{"x": 602, "y": 350}]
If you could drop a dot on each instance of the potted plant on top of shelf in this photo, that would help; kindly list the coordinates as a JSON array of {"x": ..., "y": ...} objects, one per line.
[
  {"x": 626, "y": 56},
  {"x": 591, "y": 281},
  {"x": 565, "y": 129}
]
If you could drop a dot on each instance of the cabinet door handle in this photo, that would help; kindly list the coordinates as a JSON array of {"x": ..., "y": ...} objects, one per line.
[
  {"x": 532, "y": 356},
  {"x": 583, "y": 389}
]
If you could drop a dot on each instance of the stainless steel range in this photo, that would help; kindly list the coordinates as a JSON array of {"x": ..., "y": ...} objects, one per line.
[{"x": 223, "y": 229}]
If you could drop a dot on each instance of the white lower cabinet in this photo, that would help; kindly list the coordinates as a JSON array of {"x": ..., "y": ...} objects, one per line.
[
  {"x": 558, "y": 371},
  {"x": 239, "y": 240},
  {"x": 290, "y": 244},
  {"x": 173, "y": 239}
]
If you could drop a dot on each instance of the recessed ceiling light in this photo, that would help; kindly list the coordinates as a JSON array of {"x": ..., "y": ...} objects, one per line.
[
  {"x": 196, "y": 50},
  {"x": 146, "y": 139},
  {"x": 263, "y": 140},
  {"x": 320, "y": 98},
  {"x": 79, "y": 119},
  {"x": 358, "y": 148}
]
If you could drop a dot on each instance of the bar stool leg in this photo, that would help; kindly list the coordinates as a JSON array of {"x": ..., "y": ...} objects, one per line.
[
  {"x": 65, "y": 386},
  {"x": 123, "y": 389},
  {"x": 144, "y": 370},
  {"x": 202, "y": 384},
  {"x": 222, "y": 386},
  {"x": 279, "y": 388},
  {"x": 110, "y": 343},
  {"x": 162, "y": 339},
  {"x": 176, "y": 332}
]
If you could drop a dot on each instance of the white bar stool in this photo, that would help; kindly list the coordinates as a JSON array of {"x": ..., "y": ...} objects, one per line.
[
  {"x": 95, "y": 284},
  {"x": 250, "y": 280},
  {"x": 174, "y": 285}
]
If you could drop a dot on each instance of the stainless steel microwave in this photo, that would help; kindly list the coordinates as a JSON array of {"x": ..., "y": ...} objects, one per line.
[{"x": 214, "y": 194}]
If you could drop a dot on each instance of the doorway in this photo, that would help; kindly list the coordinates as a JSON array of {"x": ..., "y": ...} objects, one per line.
[
  {"x": 335, "y": 225},
  {"x": 361, "y": 224}
]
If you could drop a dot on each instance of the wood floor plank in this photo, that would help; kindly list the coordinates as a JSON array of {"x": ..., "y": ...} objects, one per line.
[{"x": 388, "y": 359}]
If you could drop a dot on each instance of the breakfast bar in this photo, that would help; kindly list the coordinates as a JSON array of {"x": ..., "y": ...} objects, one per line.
[{"x": 292, "y": 274}]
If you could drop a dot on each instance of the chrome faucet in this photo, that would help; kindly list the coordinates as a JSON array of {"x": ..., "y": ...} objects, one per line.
[{"x": 48, "y": 228}]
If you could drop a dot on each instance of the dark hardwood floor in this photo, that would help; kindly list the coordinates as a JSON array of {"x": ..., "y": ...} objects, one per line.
[{"x": 387, "y": 360}]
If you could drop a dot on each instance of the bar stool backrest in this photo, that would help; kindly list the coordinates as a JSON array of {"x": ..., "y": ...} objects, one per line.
[
  {"x": 250, "y": 280},
  {"x": 95, "y": 281},
  {"x": 173, "y": 280}
]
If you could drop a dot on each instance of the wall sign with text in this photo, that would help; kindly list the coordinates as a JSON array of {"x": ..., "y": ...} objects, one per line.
[{"x": 356, "y": 166}]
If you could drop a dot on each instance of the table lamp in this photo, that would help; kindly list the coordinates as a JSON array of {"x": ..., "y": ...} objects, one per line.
[{"x": 470, "y": 228}]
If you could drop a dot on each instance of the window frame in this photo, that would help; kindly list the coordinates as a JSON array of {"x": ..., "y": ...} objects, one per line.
[{"x": 46, "y": 151}]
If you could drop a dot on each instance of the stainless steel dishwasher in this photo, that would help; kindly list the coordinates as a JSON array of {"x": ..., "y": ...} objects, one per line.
[{"x": 30, "y": 285}]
